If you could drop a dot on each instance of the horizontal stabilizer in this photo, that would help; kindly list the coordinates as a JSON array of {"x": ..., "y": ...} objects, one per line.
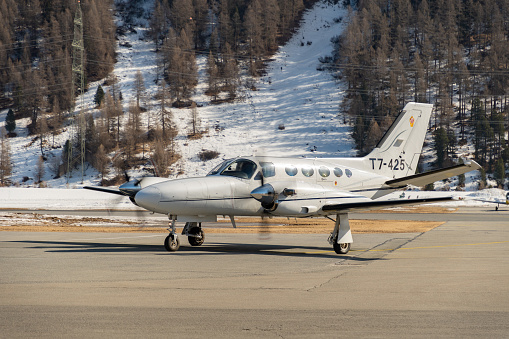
[
  {"x": 378, "y": 204},
  {"x": 105, "y": 190},
  {"x": 422, "y": 179}
]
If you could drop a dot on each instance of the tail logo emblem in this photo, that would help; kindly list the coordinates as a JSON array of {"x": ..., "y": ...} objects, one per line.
[{"x": 412, "y": 120}]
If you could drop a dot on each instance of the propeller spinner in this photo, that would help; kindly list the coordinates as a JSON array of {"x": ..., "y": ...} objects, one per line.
[{"x": 267, "y": 196}]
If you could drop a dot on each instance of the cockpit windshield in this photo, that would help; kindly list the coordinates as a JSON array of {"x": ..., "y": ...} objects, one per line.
[
  {"x": 219, "y": 167},
  {"x": 240, "y": 168}
]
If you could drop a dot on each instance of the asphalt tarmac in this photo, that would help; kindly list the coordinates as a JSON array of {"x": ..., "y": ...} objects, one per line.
[{"x": 452, "y": 281}]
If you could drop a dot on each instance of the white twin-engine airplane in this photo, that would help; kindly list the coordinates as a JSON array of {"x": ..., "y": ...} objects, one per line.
[{"x": 296, "y": 187}]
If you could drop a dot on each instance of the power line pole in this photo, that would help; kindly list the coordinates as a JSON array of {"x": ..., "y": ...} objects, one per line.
[{"x": 78, "y": 81}]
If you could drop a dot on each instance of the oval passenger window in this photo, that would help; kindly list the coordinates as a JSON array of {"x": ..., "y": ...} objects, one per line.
[
  {"x": 308, "y": 171},
  {"x": 324, "y": 171},
  {"x": 291, "y": 170}
]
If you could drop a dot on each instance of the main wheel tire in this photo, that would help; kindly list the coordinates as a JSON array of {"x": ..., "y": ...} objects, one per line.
[
  {"x": 341, "y": 248},
  {"x": 196, "y": 241},
  {"x": 171, "y": 243}
]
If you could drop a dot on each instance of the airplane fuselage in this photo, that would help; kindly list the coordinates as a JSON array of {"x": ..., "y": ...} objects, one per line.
[{"x": 227, "y": 189}]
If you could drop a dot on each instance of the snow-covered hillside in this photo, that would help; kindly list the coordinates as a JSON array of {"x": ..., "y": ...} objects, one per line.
[{"x": 293, "y": 94}]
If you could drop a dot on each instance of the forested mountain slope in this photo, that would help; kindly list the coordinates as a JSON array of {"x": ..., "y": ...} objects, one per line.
[
  {"x": 454, "y": 54},
  {"x": 175, "y": 86}
]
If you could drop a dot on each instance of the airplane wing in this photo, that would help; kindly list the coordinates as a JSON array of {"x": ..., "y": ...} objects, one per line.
[
  {"x": 105, "y": 190},
  {"x": 378, "y": 204},
  {"x": 422, "y": 179},
  {"x": 496, "y": 201}
]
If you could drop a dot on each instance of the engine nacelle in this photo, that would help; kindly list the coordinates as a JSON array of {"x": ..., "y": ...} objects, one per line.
[{"x": 291, "y": 197}]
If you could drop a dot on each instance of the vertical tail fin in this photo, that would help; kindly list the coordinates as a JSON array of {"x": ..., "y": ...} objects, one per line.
[{"x": 397, "y": 154}]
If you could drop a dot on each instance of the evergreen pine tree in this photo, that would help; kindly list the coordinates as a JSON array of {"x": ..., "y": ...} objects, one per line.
[
  {"x": 500, "y": 173},
  {"x": 99, "y": 96},
  {"x": 483, "y": 183},
  {"x": 10, "y": 122},
  {"x": 441, "y": 142}
]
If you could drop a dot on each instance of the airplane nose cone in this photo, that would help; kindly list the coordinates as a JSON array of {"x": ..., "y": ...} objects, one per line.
[{"x": 148, "y": 197}]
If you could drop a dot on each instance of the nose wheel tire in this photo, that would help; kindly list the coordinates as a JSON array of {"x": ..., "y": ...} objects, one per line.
[
  {"x": 341, "y": 248},
  {"x": 171, "y": 243},
  {"x": 197, "y": 236}
]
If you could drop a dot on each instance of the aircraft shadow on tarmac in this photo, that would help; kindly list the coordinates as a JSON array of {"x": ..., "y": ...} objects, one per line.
[{"x": 208, "y": 249}]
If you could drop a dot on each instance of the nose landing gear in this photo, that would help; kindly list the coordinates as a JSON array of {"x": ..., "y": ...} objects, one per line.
[
  {"x": 192, "y": 230},
  {"x": 172, "y": 243}
]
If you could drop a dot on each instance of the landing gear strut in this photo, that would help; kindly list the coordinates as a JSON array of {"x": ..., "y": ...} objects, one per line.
[
  {"x": 172, "y": 242},
  {"x": 341, "y": 237},
  {"x": 192, "y": 230}
]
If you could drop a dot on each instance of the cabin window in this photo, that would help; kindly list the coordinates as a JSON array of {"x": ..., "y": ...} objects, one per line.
[
  {"x": 268, "y": 169},
  {"x": 241, "y": 168},
  {"x": 291, "y": 170},
  {"x": 308, "y": 171},
  {"x": 338, "y": 172},
  {"x": 348, "y": 173},
  {"x": 324, "y": 171}
]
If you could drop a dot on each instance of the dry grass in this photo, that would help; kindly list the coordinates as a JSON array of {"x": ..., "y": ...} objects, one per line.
[{"x": 46, "y": 223}]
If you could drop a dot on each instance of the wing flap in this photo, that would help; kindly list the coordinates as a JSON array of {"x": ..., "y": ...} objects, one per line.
[
  {"x": 422, "y": 179},
  {"x": 375, "y": 204}
]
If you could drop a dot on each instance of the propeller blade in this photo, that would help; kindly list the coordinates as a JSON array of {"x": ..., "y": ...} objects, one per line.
[
  {"x": 130, "y": 188},
  {"x": 264, "y": 232},
  {"x": 103, "y": 189}
]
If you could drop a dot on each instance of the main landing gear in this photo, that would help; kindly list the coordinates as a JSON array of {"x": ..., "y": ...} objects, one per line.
[
  {"x": 192, "y": 230},
  {"x": 341, "y": 237}
]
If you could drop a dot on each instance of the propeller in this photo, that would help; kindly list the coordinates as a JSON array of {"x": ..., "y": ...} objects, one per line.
[
  {"x": 132, "y": 187},
  {"x": 267, "y": 196},
  {"x": 128, "y": 189},
  {"x": 262, "y": 194}
]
